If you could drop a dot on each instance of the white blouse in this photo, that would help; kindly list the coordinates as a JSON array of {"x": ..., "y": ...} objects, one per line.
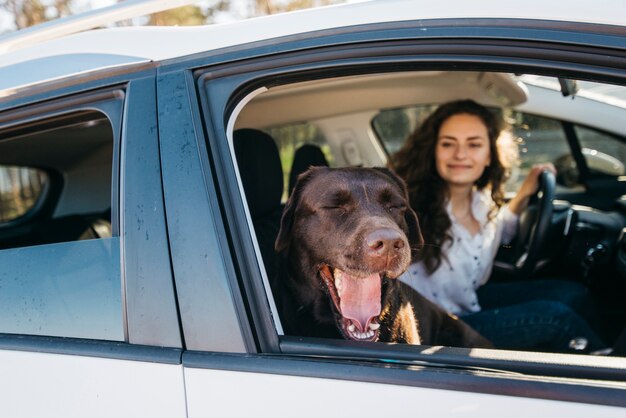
[{"x": 469, "y": 258}]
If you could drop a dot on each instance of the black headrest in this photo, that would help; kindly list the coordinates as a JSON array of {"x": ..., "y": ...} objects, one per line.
[
  {"x": 260, "y": 170},
  {"x": 306, "y": 156}
]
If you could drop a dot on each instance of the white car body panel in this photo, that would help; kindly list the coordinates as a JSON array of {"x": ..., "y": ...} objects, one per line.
[
  {"x": 121, "y": 46},
  {"x": 56, "y": 385},
  {"x": 269, "y": 395}
]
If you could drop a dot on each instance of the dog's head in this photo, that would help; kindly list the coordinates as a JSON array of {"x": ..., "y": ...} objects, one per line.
[{"x": 344, "y": 231}]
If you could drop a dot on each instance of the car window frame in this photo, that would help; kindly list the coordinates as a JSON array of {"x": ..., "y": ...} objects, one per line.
[
  {"x": 108, "y": 102},
  {"x": 93, "y": 101},
  {"x": 226, "y": 82},
  {"x": 212, "y": 314}
]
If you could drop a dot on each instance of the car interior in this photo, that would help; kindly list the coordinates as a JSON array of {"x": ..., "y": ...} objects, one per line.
[
  {"x": 575, "y": 233},
  {"x": 55, "y": 180}
]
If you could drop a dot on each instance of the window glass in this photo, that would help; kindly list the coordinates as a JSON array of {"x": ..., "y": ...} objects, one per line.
[
  {"x": 604, "y": 153},
  {"x": 541, "y": 140},
  {"x": 531, "y": 138},
  {"x": 69, "y": 289},
  {"x": 393, "y": 126},
  {"x": 60, "y": 264},
  {"x": 291, "y": 137},
  {"x": 20, "y": 190}
]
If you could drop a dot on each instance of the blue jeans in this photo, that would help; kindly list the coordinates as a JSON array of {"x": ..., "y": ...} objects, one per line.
[{"x": 542, "y": 315}]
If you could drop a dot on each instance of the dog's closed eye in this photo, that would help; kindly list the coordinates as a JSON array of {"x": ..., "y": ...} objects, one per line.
[
  {"x": 339, "y": 210},
  {"x": 396, "y": 208}
]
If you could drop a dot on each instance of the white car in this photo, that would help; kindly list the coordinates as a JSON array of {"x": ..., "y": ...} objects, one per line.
[{"x": 134, "y": 273}]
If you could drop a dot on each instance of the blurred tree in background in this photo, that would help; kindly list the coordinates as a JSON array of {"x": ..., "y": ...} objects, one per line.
[
  {"x": 182, "y": 16},
  {"x": 269, "y": 7},
  {"x": 31, "y": 12}
]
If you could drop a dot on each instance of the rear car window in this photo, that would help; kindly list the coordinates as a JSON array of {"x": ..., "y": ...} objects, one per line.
[
  {"x": 60, "y": 270},
  {"x": 393, "y": 126}
]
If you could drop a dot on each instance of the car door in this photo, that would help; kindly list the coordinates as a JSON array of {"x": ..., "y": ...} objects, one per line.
[
  {"x": 230, "y": 370},
  {"x": 88, "y": 322},
  {"x": 238, "y": 362}
]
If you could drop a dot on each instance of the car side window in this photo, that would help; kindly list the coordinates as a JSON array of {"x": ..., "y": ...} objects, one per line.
[
  {"x": 541, "y": 140},
  {"x": 60, "y": 271},
  {"x": 604, "y": 153},
  {"x": 393, "y": 126}
]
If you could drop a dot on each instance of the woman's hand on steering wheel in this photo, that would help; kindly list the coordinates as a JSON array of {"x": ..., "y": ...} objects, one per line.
[
  {"x": 530, "y": 248},
  {"x": 530, "y": 187}
]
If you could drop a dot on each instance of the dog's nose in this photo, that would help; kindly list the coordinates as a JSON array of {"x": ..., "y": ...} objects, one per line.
[{"x": 383, "y": 241}]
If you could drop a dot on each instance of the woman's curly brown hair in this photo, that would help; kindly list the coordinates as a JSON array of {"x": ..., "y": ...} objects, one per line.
[{"x": 428, "y": 192}]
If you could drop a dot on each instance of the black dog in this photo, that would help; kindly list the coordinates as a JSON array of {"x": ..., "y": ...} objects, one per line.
[{"x": 345, "y": 235}]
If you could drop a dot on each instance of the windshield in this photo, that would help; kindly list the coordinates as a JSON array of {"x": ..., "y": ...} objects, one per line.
[{"x": 608, "y": 93}]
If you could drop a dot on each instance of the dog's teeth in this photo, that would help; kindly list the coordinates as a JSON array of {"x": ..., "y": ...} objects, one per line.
[
  {"x": 338, "y": 280},
  {"x": 369, "y": 334},
  {"x": 374, "y": 326},
  {"x": 351, "y": 327}
]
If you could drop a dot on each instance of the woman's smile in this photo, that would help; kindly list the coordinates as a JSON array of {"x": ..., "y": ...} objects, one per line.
[{"x": 462, "y": 151}]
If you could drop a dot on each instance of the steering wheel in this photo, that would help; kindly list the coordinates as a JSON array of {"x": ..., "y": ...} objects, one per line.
[{"x": 533, "y": 227}]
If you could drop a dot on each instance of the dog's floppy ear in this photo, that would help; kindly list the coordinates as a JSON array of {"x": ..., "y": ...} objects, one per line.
[
  {"x": 415, "y": 234},
  {"x": 286, "y": 221}
]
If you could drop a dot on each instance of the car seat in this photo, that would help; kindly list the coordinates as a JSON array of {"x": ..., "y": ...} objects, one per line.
[
  {"x": 308, "y": 155},
  {"x": 262, "y": 179},
  {"x": 67, "y": 228}
]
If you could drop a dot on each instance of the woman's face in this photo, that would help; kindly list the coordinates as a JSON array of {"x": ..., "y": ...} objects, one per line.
[{"x": 462, "y": 150}]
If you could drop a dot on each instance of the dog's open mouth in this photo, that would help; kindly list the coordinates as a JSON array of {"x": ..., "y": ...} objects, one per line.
[{"x": 357, "y": 300}]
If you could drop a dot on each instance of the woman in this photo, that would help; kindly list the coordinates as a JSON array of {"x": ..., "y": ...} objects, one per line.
[{"x": 455, "y": 176}]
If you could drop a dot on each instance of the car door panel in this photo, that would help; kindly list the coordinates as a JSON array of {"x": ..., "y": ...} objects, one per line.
[
  {"x": 52, "y": 377},
  {"x": 266, "y": 387},
  {"x": 62, "y": 301}
]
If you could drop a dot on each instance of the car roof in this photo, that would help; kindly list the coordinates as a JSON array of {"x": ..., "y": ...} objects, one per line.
[{"x": 101, "y": 49}]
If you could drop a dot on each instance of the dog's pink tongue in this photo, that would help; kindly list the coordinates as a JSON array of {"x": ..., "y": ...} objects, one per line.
[{"x": 360, "y": 299}]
